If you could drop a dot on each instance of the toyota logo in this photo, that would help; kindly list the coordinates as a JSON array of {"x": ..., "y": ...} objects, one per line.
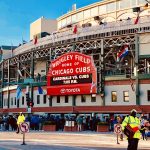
[{"x": 62, "y": 91}]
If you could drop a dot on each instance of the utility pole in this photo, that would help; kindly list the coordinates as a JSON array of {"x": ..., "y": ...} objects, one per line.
[{"x": 136, "y": 68}]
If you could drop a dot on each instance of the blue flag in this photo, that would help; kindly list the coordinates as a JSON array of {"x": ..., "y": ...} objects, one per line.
[
  {"x": 40, "y": 90},
  {"x": 18, "y": 92}
]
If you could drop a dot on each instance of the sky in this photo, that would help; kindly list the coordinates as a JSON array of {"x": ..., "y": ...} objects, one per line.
[{"x": 17, "y": 15}]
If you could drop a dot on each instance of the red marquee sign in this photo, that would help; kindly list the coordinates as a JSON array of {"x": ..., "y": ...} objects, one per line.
[{"x": 71, "y": 74}]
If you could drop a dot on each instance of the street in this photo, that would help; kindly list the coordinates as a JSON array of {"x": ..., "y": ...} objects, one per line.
[{"x": 65, "y": 141}]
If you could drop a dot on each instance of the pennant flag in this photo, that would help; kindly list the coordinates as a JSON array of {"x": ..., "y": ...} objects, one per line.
[
  {"x": 92, "y": 86},
  {"x": 124, "y": 52},
  {"x": 138, "y": 13},
  {"x": 75, "y": 30},
  {"x": 132, "y": 85},
  {"x": 18, "y": 92},
  {"x": 137, "y": 19},
  {"x": 40, "y": 90},
  {"x": 35, "y": 40}
]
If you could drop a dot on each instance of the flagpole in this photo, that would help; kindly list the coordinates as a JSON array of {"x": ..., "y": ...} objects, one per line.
[
  {"x": 22, "y": 40},
  {"x": 11, "y": 49}
]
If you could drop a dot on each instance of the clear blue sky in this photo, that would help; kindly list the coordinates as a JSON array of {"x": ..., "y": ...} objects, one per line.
[{"x": 16, "y": 16}]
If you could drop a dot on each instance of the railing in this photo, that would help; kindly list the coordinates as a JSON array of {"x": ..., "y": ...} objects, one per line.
[
  {"x": 105, "y": 28},
  {"x": 21, "y": 81}
]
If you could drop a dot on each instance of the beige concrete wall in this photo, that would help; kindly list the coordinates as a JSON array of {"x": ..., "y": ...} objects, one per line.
[
  {"x": 25, "y": 103},
  {"x": 143, "y": 94},
  {"x": 62, "y": 101},
  {"x": 99, "y": 102},
  {"x": 41, "y": 100},
  {"x": 35, "y": 28},
  {"x": 78, "y": 101},
  {"x": 48, "y": 25},
  {"x": 88, "y": 102},
  {"x": 42, "y": 25},
  {"x": 119, "y": 89}
]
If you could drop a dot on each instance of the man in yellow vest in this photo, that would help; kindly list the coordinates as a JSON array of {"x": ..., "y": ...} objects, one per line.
[
  {"x": 134, "y": 122},
  {"x": 20, "y": 120}
]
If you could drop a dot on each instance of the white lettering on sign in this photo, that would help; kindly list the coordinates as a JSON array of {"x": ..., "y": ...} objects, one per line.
[
  {"x": 82, "y": 59},
  {"x": 71, "y": 71},
  {"x": 84, "y": 76},
  {"x": 77, "y": 58},
  {"x": 83, "y": 69},
  {"x": 62, "y": 71},
  {"x": 74, "y": 90},
  {"x": 61, "y": 60}
]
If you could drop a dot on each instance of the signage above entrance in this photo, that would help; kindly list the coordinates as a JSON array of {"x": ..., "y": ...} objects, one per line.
[{"x": 72, "y": 73}]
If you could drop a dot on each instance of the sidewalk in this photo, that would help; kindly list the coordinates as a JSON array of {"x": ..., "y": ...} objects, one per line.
[{"x": 40, "y": 140}]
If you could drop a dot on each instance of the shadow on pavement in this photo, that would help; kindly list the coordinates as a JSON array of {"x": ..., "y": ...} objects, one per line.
[{"x": 13, "y": 145}]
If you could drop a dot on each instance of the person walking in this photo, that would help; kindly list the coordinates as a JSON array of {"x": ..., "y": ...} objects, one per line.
[
  {"x": 134, "y": 123},
  {"x": 143, "y": 129},
  {"x": 119, "y": 121},
  {"x": 79, "y": 123},
  {"x": 20, "y": 120}
]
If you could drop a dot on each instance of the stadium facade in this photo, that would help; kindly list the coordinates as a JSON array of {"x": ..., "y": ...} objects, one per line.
[{"x": 116, "y": 36}]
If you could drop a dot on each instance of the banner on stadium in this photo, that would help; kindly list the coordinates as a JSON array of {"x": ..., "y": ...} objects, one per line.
[{"x": 72, "y": 74}]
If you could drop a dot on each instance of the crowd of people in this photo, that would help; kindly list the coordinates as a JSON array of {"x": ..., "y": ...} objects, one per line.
[{"x": 83, "y": 122}]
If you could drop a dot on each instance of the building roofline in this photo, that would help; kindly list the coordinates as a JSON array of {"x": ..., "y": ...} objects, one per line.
[{"x": 85, "y": 8}]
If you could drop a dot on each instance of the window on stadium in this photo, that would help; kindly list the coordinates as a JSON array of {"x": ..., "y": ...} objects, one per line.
[
  {"x": 11, "y": 101},
  {"x": 66, "y": 99},
  {"x": 148, "y": 95},
  {"x": 114, "y": 96},
  {"x": 15, "y": 101},
  {"x": 22, "y": 100},
  {"x": 58, "y": 99},
  {"x": 44, "y": 99},
  {"x": 126, "y": 96},
  {"x": 83, "y": 98},
  {"x": 4, "y": 102},
  {"x": 38, "y": 99},
  {"x": 93, "y": 98}
]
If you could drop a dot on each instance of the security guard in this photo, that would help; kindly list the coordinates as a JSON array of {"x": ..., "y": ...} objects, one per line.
[
  {"x": 134, "y": 122},
  {"x": 20, "y": 120}
]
